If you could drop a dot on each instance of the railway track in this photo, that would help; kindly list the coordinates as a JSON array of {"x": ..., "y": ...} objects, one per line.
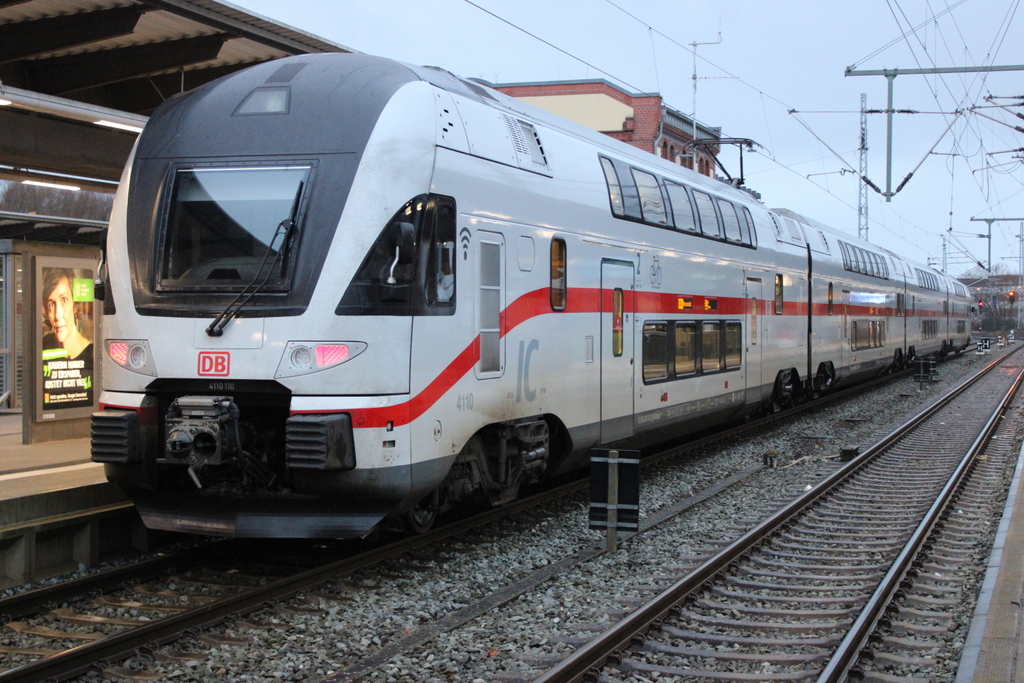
[
  {"x": 798, "y": 597},
  {"x": 143, "y": 618}
]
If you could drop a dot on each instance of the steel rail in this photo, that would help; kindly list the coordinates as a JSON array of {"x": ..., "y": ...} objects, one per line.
[
  {"x": 85, "y": 657},
  {"x": 31, "y": 602},
  {"x": 849, "y": 649},
  {"x": 592, "y": 655}
]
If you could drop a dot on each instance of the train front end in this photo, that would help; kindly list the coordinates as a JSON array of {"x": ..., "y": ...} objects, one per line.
[{"x": 236, "y": 390}]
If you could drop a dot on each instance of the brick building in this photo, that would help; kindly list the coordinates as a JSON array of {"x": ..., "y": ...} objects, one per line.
[{"x": 639, "y": 119}]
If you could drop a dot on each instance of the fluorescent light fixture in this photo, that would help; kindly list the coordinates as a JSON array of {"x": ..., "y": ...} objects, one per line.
[
  {"x": 5, "y": 103},
  {"x": 56, "y": 186},
  {"x": 119, "y": 126}
]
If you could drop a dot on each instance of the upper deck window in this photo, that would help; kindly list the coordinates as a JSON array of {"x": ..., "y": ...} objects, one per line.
[
  {"x": 614, "y": 188},
  {"x": 747, "y": 226},
  {"x": 858, "y": 260},
  {"x": 681, "y": 208},
  {"x": 708, "y": 215},
  {"x": 730, "y": 220},
  {"x": 652, "y": 205},
  {"x": 227, "y": 226}
]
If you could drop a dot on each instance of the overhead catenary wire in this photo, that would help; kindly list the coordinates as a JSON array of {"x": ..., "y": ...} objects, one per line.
[
  {"x": 962, "y": 101},
  {"x": 1019, "y": 129},
  {"x": 969, "y": 129},
  {"x": 874, "y": 220},
  {"x": 650, "y": 28},
  {"x": 829, "y": 148},
  {"x": 905, "y": 36},
  {"x": 926, "y": 155},
  {"x": 553, "y": 46},
  {"x": 902, "y": 36},
  {"x": 978, "y": 81}
]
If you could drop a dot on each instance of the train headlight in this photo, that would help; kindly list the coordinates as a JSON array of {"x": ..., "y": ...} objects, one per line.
[
  {"x": 132, "y": 354},
  {"x": 138, "y": 357},
  {"x": 301, "y": 357}
]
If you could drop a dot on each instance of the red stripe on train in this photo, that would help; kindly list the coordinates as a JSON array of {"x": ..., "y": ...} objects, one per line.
[{"x": 579, "y": 300}]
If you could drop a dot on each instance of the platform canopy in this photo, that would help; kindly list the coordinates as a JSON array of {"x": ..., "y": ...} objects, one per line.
[{"x": 77, "y": 76}]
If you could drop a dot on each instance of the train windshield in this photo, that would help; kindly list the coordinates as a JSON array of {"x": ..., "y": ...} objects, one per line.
[{"x": 229, "y": 226}]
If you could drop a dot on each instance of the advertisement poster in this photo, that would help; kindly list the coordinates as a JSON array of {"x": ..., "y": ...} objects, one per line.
[{"x": 67, "y": 334}]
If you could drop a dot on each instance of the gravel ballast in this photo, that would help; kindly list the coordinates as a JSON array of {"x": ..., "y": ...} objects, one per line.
[{"x": 315, "y": 637}]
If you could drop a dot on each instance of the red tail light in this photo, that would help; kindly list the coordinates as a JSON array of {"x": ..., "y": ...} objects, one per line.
[
  {"x": 118, "y": 352},
  {"x": 329, "y": 354}
]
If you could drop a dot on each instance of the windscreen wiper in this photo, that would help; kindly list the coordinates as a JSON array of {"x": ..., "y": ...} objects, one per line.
[{"x": 287, "y": 228}]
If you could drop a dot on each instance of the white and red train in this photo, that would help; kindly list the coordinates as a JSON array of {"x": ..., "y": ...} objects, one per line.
[{"x": 344, "y": 289}]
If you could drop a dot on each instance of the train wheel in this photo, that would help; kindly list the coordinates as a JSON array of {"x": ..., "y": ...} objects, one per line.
[{"x": 421, "y": 518}]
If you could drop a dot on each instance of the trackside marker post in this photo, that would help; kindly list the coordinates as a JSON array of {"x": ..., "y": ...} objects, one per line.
[
  {"x": 614, "y": 493},
  {"x": 612, "y": 540}
]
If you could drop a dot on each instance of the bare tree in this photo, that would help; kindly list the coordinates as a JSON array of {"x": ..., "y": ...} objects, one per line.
[
  {"x": 979, "y": 273},
  {"x": 46, "y": 201}
]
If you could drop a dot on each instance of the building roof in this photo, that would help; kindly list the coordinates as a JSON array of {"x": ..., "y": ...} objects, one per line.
[
  {"x": 64, "y": 61},
  {"x": 683, "y": 122},
  {"x": 51, "y": 228},
  {"x": 132, "y": 54}
]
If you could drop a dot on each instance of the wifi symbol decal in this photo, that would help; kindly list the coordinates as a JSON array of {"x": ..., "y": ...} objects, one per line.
[{"x": 464, "y": 238}]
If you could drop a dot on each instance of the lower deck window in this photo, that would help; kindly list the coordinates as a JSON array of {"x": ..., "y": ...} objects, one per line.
[
  {"x": 691, "y": 349},
  {"x": 867, "y": 334},
  {"x": 733, "y": 345},
  {"x": 711, "y": 347},
  {"x": 686, "y": 349},
  {"x": 655, "y": 351}
]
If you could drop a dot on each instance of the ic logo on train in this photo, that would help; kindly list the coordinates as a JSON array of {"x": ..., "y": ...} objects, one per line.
[{"x": 214, "y": 364}]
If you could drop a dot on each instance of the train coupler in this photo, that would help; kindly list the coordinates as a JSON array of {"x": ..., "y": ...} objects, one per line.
[{"x": 203, "y": 431}]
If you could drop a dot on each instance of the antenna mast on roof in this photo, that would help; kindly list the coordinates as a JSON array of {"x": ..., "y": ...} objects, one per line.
[{"x": 693, "y": 113}]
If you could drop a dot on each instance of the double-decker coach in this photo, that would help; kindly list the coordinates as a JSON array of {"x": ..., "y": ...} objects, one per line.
[{"x": 344, "y": 290}]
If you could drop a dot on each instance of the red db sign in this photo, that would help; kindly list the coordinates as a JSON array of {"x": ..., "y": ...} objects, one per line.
[{"x": 214, "y": 364}]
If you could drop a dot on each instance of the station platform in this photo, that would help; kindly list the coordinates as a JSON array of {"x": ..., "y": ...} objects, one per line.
[
  {"x": 58, "y": 513},
  {"x": 42, "y": 467},
  {"x": 994, "y": 649}
]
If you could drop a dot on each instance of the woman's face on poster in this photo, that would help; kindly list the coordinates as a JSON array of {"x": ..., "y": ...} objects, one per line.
[{"x": 60, "y": 310}]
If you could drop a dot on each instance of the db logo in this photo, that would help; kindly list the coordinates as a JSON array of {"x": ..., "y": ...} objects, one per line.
[{"x": 214, "y": 364}]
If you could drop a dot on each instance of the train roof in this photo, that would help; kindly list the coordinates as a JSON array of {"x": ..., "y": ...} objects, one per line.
[
  {"x": 357, "y": 87},
  {"x": 610, "y": 145}
]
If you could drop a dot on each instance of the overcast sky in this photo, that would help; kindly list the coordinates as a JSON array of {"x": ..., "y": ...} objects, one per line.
[{"x": 773, "y": 57}]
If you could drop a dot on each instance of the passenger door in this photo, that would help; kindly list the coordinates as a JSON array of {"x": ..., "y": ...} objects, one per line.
[
  {"x": 847, "y": 354},
  {"x": 617, "y": 311}
]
